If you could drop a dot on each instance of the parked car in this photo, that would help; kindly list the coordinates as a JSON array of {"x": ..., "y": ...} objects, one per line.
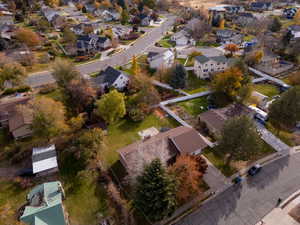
[
  {"x": 28, "y": 172},
  {"x": 254, "y": 170},
  {"x": 237, "y": 180}
]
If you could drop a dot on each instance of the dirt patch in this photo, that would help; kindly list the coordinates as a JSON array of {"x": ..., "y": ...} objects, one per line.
[
  {"x": 295, "y": 213},
  {"x": 159, "y": 113}
]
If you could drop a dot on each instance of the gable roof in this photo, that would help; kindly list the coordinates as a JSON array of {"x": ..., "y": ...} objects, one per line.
[
  {"x": 18, "y": 119},
  {"x": 108, "y": 76},
  {"x": 44, "y": 159},
  {"x": 45, "y": 205},
  {"x": 204, "y": 59}
]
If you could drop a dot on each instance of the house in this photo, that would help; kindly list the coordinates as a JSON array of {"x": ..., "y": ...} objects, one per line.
[
  {"x": 45, "y": 205},
  {"x": 19, "y": 123},
  {"x": 205, "y": 66},
  {"x": 261, "y": 6},
  {"x": 163, "y": 59},
  {"x": 293, "y": 33},
  {"x": 260, "y": 99},
  {"x": 229, "y": 36},
  {"x": 91, "y": 44},
  {"x": 109, "y": 15},
  {"x": 89, "y": 8},
  {"x": 6, "y": 20},
  {"x": 53, "y": 16},
  {"x": 58, "y": 21},
  {"x": 164, "y": 146},
  {"x": 8, "y": 107},
  {"x": 244, "y": 19},
  {"x": 44, "y": 160},
  {"x": 7, "y": 31},
  {"x": 182, "y": 38},
  {"x": 213, "y": 120},
  {"x": 145, "y": 20},
  {"x": 109, "y": 78}
]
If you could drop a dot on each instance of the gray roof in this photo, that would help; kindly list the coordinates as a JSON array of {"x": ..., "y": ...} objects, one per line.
[
  {"x": 202, "y": 59},
  {"x": 221, "y": 58},
  {"x": 108, "y": 76}
]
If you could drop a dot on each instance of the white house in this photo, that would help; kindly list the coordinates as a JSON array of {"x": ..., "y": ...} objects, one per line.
[
  {"x": 44, "y": 160},
  {"x": 205, "y": 66},
  {"x": 111, "y": 78},
  {"x": 182, "y": 38},
  {"x": 163, "y": 59}
]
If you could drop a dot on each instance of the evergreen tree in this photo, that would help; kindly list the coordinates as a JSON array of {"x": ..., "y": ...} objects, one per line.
[
  {"x": 155, "y": 192},
  {"x": 124, "y": 17},
  {"x": 178, "y": 77},
  {"x": 275, "y": 26}
]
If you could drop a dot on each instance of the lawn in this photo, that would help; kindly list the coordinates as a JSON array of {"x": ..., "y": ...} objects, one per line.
[
  {"x": 267, "y": 89},
  {"x": 218, "y": 160},
  {"x": 12, "y": 197},
  {"x": 125, "y": 132},
  {"x": 210, "y": 44},
  {"x": 194, "y": 84},
  {"x": 56, "y": 94},
  {"x": 285, "y": 136},
  {"x": 248, "y": 38},
  {"x": 181, "y": 60},
  {"x": 85, "y": 196},
  {"x": 195, "y": 106}
]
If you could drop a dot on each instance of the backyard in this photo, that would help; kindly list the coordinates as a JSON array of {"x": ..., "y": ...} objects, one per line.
[
  {"x": 195, "y": 106},
  {"x": 267, "y": 89},
  {"x": 195, "y": 85}
]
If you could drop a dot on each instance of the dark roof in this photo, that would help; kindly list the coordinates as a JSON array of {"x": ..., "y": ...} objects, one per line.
[
  {"x": 189, "y": 142},
  {"x": 294, "y": 27},
  {"x": 102, "y": 39},
  {"x": 142, "y": 16},
  {"x": 260, "y": 4},
  {"x": 220, "y": 58},
  {"x": 244, "y": 14},
  {"x": 109, "y": 76},
  {"x": 152, "y": 54},
  {"x": 202, "y": 59}
]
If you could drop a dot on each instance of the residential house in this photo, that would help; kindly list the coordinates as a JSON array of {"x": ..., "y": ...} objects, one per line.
[
  {"x": 7, "y": 31},
  {"x": 260, "y": 99},
  {"x": 44, "y": 160},
  {"x": 146, "y": 20},
  {"x": 213, "y": 120},
  {"x": 53, "y": 17},
  {"x": 163, "y": 59},
  {"x": 244, "y": 19},
  {"x": 89, "y": 8},
  {"x": 8, "y": 107},
  {"x": 182, "y": 38},
  {"x": 289, "y": 13},
  {"x": 109, "y": 78},
  {"x": 165, "y": 146},
  {"x": 19, "y": 123},
  {"x": 229, "y": 36},
  {"x": 6, "y": 20},
  {"x": 91, "y": 44},
  {"x": 261, "y": 6},
  {"x": 58, "y": 21},
  {"x": 205, "y": 66},
  {"x": 109, "y": 15},
  {"x": 45, "y": 205},
  {"x": 121, "y": 31},
  {"x": 293, "y": 33}
]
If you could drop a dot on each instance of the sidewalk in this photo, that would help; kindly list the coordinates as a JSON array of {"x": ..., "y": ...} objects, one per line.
[{"x": 280, "y": 215}]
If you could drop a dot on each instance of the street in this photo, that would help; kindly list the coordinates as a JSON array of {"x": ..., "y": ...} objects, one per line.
[
  {"x": 122, "y": 58},
  {"x": 248, "y": 204}
]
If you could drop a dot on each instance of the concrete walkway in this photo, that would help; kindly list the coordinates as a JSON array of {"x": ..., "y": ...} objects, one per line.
[{"x": 166, "y": 86}]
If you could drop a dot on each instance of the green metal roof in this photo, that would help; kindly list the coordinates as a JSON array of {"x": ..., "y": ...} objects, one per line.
[{"x": 45, "y": 205}]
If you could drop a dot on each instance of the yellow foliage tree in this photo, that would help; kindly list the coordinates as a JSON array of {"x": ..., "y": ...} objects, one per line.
[
  {"x": 228, "y": 82},
  {"x": 222, "y": 24},
  {"x": 297, "y": 18},
  {"x": 258, "y": 55},
  {"x": 135, "y": 68},
  {"x": 53, "y": 3}
]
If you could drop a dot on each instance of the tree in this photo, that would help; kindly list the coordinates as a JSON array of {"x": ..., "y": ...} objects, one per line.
[
  {"x": 155, "y": 193},
  {"x": 178, "y": 77},
  {"x": 285, "y": 111},
  {"x": 186, "y": 170},
  {"x": 124, "y": 17},
  {"x": 63, "y": 72},
  {"x": 69, "y": 36},
  {"x": 228, "y": 82},
  {"x": 237, "y": 145},
  {"x": 276, "y": 25},
  {"x": 111, "y": 106},
  {"x": 48, "y": 117},
  {"x": 294, "y": 79},
  {"x": 254, "y": 57},
  {"x": 232, "y": 48},
  {"x": 222, "y": 24},
  {"x": 53, "y": 3},
  {"x": 76, "y": 123},
  {"x": 28, "y": 37},
  {"x": 297, "y": 17},
  {"x": 135, "y": 68},
  {"x": 13, "y": 73},
  {"x": 80, "y": 94},
  {"x": 149, "y": 3}
]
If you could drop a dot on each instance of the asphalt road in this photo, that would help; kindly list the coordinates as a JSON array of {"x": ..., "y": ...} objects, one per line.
[
  {"x": 248, "y": 204},
  {"x": 118, "y": 59}
]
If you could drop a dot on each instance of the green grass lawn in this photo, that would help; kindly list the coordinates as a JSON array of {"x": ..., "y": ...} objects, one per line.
[
  {"x": 57, "y": 95},
  {"x": 12, "y": 197},
  {"x": 248, "y": 38},
  {"x": 181, "y": 61},
  {"x": 267, "y": 89},
  {"x": 125, "y": 132},
  {"x": 219, "y": 162},
  {"x": 193, "y": 106},
  {"x": 201, "y": 44},
  {"x": 285, "y": 136},
  {"x": 85, "y": 196},
  {"x": 194, "y": 84}
]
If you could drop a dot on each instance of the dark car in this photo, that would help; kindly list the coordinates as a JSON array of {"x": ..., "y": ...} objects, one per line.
[
  {"x": 28, "y": 172},
  {"x": 254, "y": 170}
]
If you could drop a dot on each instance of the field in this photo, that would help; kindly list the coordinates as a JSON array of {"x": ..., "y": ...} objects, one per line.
[{"x": 200, "y": 3}]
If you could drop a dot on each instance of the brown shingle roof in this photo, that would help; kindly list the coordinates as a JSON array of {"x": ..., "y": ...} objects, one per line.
[{"x": 19, "y": 119}]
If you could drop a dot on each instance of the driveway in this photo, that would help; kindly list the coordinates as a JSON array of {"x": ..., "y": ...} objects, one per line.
[
  {"x": 256, "y": 197},
  {"x": 122, "y": 58}
]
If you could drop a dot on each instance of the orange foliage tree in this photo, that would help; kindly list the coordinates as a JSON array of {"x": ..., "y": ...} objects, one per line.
[
  {"x": 28, "y": 37},
  {"x": 232, "y": 48}
]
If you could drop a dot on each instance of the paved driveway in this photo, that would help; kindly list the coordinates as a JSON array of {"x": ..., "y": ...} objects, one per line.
[
  {"x": 118, "y": 59},
  {"x": 256, "y": 198}
]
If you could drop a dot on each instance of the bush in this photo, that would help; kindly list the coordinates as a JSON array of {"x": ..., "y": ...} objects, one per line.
[
  {"x": 47, "y": 89},
  {"x": 21, "y": 89}
]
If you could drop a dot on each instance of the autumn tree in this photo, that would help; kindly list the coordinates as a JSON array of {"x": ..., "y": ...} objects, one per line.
[
  {"x": 228, "y": 82},
  {"x": 222, "y": 24},
  {"x": 232, "y": 48},
  {"x": 52, "y": 3},
  {"x": 69, "y": 36},
  {"x": 77, "y": 122},
  {"x": 188, "y": 176},
  {"x": 28, "y": 37},
  {"x": 80, "y": 94},
  {"x": 285, "y": 111},
  {"x": 48, "y": 117},
  {"x": 254, "y": 57},
  {"x": 294, "y": 79},
  {"x": 124, "y": 17},
  {"x": 237, "y": 145},
  {"x": 297, "y": 17},
  {"x": 13, "y": 73},
  {"x": 178, "y": 76},
  {"x": 135, "y": 67},
  {"x": 111, "y": 106},
  {"x": 64, "y": 72},
  {"x": 155, "y": 192}
]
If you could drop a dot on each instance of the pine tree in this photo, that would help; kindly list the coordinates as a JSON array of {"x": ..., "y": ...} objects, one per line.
[
  {"x": 178, "y": 77},
  {"x": 155, "y": 192}
]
